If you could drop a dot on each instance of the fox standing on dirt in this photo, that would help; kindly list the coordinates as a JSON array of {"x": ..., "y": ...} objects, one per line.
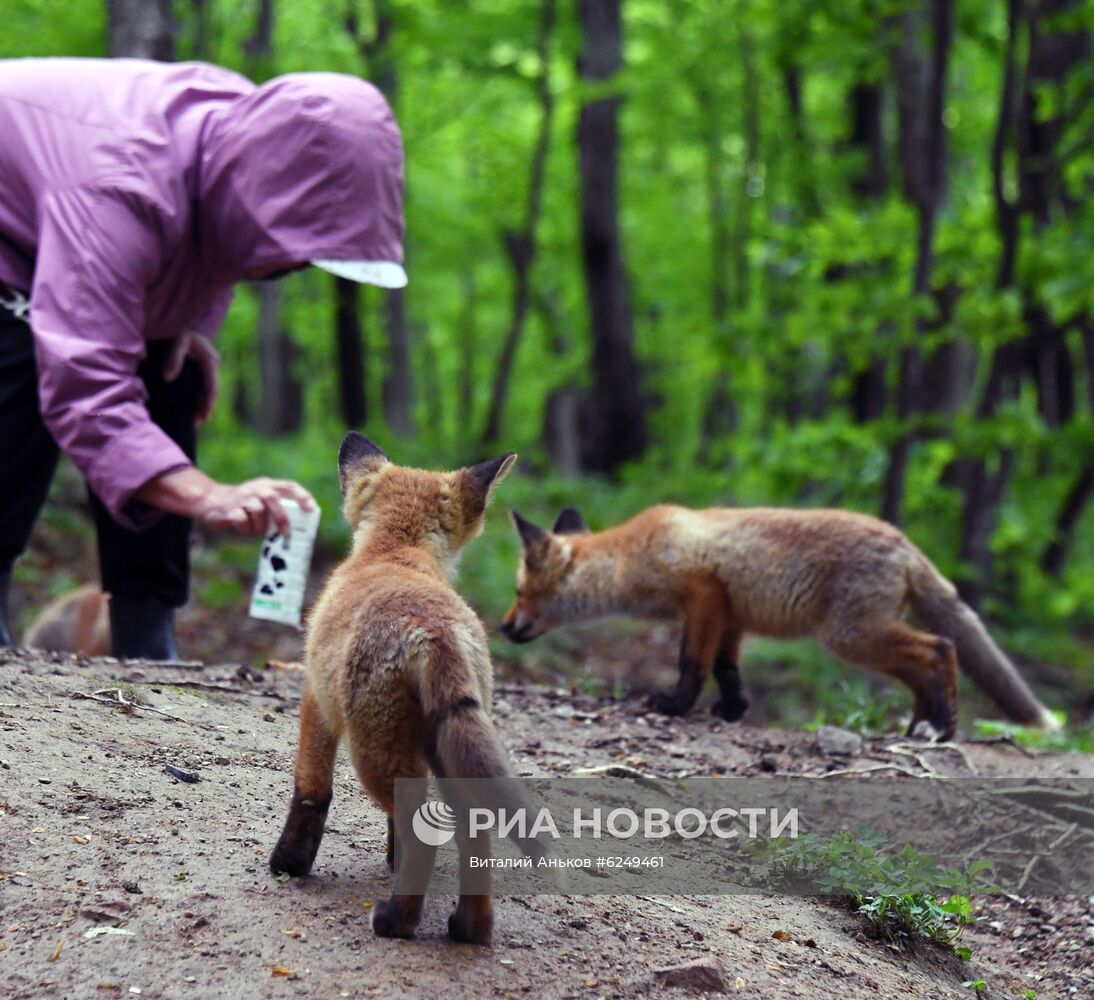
[
  {"x": 845, "y": 578},
  {"x": 398, "y": 663}
]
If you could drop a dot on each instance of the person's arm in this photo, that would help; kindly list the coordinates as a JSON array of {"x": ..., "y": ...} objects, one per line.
[
  {"x": 96, "y": 257},
  {"x": 247, "y": 507}
]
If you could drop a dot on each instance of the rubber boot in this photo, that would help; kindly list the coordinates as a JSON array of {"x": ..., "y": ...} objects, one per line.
[
  {"x": 142, "y": 628},
  {"x": 5, "y": 632}
]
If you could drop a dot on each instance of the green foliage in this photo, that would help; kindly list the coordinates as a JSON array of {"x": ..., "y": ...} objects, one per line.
[
  {"x": 904, "y": 894},
  {"x": 857, "y": 708}
]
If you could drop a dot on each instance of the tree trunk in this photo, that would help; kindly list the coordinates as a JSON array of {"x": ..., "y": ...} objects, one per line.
[
  {"x": 921, "y": 93},
  {"x": 397, "y": 392},
  {"x": 140, "y": 29},
  {"x": 350, "y": 351},
  {"x": 281, "y": 407},
  {"x": 521, "y": 245},
  {"x": 869, "y": 392},
  {"x": 616, "y": 424},
  {"x": 867, "y": 107},
  {"x": 468, "y": 334},
  {"x": 720, "y": 414},
  {"x": 1053, "y": 56},
  {"x": 563, "y": 418},
  {"x": 564, "y": 412},
  {"x": 258, "y": 48},
  {"x": 1055, "y": 556},
  {"x": 754, "y": 181},
  {"x": 1042, "y": 353}
]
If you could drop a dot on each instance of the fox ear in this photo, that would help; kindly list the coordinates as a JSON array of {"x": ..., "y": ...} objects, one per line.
[
  {"x": 358, "y": 453},
  {"x": 532, "y": 537},
  {"x": 569, "y": 522},
  {"x": 486, "y": 475},
  {"x": 481, "y": 479}
]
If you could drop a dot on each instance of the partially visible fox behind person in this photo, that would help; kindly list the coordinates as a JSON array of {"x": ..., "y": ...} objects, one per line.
[
  {"x": 398, "y": 663},
  {"x": 845, "y": 578},
  {"x": 78, "y": 622}
]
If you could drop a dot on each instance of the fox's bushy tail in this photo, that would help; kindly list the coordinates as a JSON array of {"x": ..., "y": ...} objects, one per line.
[
  {"x": 934, "y": 599},
  {"x": 462, "y": 743}
]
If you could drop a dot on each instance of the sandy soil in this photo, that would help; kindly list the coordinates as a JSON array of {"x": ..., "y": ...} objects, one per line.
[{"x": 172, "y": 879}]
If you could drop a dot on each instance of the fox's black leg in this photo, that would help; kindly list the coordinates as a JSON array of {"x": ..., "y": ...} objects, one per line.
[
  {"x": 925, "y": 663},
  {"x": 688, "y": 686},
  {"x": 399, "y": 915},
  {"x": 472, "y": 922},
  {"x": 299, "y": 842},
  {"x": 391, "y": 843},
  {"x": 940, "y": 705},
  {"x": 733, "y": 702},
  {"x": 705, "y": 618}
]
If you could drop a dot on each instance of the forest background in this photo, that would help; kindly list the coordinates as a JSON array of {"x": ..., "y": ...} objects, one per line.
[{"x": 768, "y": 252}]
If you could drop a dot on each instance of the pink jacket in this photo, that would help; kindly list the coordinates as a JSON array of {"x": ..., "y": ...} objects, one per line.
[{"x": 134, "y": 194}]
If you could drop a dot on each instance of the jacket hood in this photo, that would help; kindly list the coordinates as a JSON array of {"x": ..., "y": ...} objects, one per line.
[{"x": 307, "y": 166}]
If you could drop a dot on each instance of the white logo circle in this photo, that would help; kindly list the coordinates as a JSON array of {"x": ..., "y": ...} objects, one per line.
[{"x": 434, "y": 823}]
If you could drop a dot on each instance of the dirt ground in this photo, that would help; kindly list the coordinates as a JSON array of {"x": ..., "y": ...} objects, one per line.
[{"x": 117, "y": 879}]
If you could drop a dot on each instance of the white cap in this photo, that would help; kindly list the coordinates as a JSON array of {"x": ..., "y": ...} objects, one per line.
[{"x": 385, "y": 273}]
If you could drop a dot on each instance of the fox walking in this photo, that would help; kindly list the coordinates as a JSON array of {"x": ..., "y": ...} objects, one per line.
[
  {"x": 398, "y": 663},
  {"x": 845, "y": 578}
]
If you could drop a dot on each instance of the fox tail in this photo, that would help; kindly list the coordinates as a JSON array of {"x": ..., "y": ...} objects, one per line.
[
  {"x": 463, "y": 744},
  {"x": 934, "y": 599}
]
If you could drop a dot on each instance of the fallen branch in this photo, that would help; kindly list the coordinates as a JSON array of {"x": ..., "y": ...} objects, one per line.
[
  {"x": 202, "y": 686},
  {"x": 120, "y": 701},
  {"x": 621, "y": 771},
  {"x": 870, "y": 770},
  {"x": 659, "y": 902},
  {"x": 916, "y": 750},
  {"x": 1003, "y": 738}
]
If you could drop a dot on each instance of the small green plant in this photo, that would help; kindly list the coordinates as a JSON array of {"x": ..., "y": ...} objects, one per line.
[
  {"x": 590, "y": 687},
  {"x": 979, "y": 985},
  {"x": 905, "y": 894},
  {"x": 1029, "y": 994},
  {"x": 856, "y": 708},
  {"x": 1075, "y": 738}
]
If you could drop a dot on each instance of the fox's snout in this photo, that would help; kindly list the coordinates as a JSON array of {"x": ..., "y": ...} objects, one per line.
[{"x": 518, "y": 628}]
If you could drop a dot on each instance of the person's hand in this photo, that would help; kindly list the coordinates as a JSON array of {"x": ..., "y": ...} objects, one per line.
[
  {"x": 250, "y": 507},
  {"x": 201, "y": 350}
]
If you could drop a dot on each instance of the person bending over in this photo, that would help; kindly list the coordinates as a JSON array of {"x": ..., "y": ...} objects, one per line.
[{"x": 133, "y": 196}]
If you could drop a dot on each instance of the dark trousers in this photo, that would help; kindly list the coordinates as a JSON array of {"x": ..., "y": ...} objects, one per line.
[{"x": 154, "y": 562}]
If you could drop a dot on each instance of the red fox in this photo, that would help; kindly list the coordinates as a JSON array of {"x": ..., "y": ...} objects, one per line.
[
  {"x": 78, "y": 622},
  {"x": 398, "y": 663},
  {"x": 845, "y": 578}
]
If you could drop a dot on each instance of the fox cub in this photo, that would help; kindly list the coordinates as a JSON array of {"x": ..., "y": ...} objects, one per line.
[
  {"x": 845, "y": 578},
  {"x": 398, "y": 663},
  {"x": 78, "y": 622}
]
